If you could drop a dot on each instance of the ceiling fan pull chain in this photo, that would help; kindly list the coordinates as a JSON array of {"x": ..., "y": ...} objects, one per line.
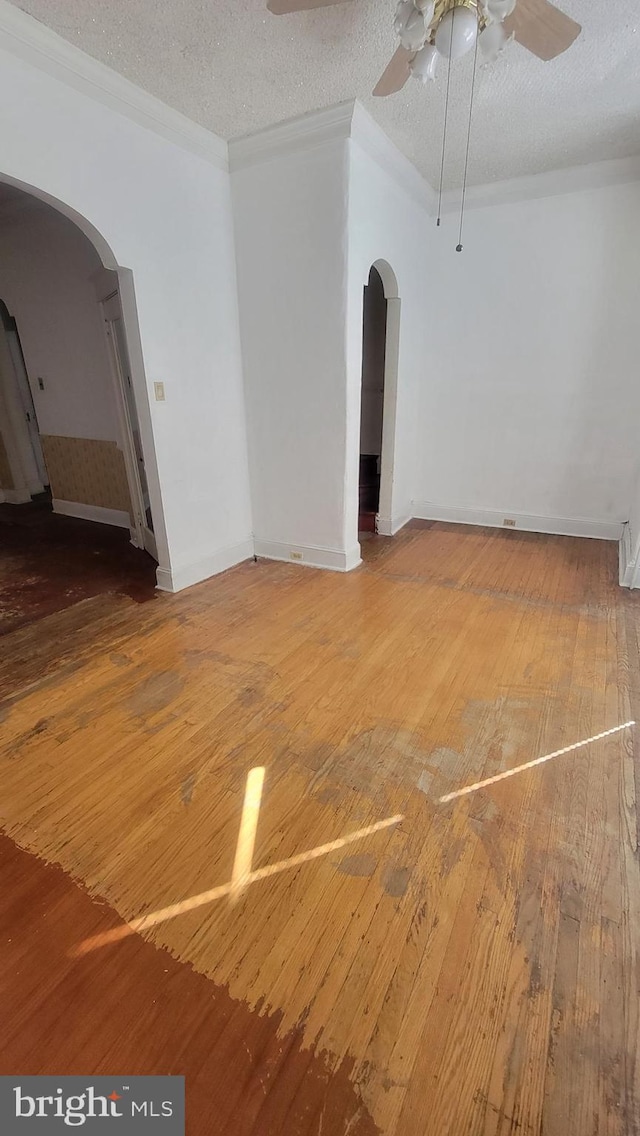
[
  {"x": 466, "y": 158},
  {"x": 444, "y": 131}
]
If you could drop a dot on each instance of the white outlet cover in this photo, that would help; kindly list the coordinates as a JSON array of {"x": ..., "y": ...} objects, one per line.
[{"x": 158, "y": 389}]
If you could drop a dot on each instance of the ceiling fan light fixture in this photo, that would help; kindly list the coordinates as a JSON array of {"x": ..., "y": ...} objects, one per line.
[
  {"x": 492, "y": 41},
  {"x": 410, "y": 25},
  {"x": 425, "y": 63},
  {"x": 428, "y": 8},
  {"x": 403, "y": 11},
  {"x": 499, "y": 9},
  {"x": 457, "y": 32}
]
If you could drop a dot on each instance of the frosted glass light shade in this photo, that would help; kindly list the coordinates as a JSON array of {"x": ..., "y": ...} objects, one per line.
[
  {"x": 423, "y": 66},
  {"x": 404, "y": 9},
  {"x": 499, "y": 9},
  {"x": 456, "y": 33},
  {"x": 410, "y": 25},
  {"x": 491, "y": 42},
  {"x": 427, "y": 7}
]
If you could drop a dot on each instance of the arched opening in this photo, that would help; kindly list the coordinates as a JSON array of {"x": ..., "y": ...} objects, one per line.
[
  {"x": 70, "y": 438},
  {"x": 380, "y": 331}
]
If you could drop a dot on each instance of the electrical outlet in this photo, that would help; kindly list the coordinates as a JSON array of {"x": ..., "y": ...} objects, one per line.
[
  {"x": 158, "y": 390},
  {"x": 509, "y": 523},
  {"x": 295, "y": 556},
  {"x": 40, "y": 383}
]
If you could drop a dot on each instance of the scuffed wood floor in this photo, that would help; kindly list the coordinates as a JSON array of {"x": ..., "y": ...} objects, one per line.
[{"x": 471, "y": 970}]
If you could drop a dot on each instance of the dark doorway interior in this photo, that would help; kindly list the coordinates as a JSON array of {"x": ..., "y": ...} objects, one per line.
[{"x": 374, "y": 334}]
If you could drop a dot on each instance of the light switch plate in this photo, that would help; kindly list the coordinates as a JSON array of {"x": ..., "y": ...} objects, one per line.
[{"x": 158, "y": 389}]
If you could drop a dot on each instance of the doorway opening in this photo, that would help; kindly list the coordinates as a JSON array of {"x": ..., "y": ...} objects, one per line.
[
  {"x": 380, "y": 343},
  {"x": 74, "y": 487},
  {"x": 374, "y": 335}
]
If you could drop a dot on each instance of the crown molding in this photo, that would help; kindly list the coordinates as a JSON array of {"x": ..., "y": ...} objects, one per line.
[
  {"x": 574, "y": 179},
  {"x": 33, "y": 42},
  {"x": 366, "y": 133},
  {"x": 347, "y": 120},
  {"x": 304, "y": 132}
]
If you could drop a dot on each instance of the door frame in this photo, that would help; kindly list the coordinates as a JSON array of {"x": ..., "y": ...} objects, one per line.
[
  {"x": 25, "y": 394},
  {"x": 23, "y": 460},
  {"x": 107, "y": 287}
]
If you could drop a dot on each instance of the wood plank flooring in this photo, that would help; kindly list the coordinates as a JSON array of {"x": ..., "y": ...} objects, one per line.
[
  {"x": 49, "y": 562},
  {"x": 472, "y": 969}
]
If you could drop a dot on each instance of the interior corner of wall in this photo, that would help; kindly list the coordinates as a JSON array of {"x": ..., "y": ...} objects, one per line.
[{"x": 176, "y": 579}]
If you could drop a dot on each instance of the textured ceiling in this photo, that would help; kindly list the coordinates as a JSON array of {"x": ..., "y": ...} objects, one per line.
[{"x": 232, "y": 66}]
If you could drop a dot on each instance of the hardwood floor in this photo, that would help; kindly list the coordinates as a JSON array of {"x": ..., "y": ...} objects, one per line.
[
  {"x": 470, "y": 969},
  {"x": 50, "y": 562}
]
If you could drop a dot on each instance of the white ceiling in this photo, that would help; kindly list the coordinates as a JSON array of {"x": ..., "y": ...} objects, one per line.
[{"x": 233, "y": 67}]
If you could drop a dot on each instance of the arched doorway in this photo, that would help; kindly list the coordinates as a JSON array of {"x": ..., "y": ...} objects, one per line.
[
  {"x": 74, "y": 487},
  {"x": 380, "y": 342},
  {"x": 91, "y": 323}
]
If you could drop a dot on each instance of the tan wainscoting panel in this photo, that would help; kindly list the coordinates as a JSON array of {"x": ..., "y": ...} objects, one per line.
[
  {"x": 6, "y": 476},
  {"x": 87, "y": 470}
]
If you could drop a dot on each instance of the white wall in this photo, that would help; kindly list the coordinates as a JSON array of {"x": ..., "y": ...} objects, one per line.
[
  {"x": 634, "y": 516},
  {"x": 46, "y": 265},
  {"x": 387, "y": 222},
  {"x": 532, "y": 408},
  {"x": 291, "y": 237},
  {"x": 165, "y": 213},
  {"x": 311, "y": 218}
]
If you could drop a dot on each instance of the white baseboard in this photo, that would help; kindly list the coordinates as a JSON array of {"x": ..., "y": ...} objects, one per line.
[
  {"x": 629, "y": 563},
  {"x": 389, "y": 526},
  {"x": 92, "y": 513},
  {"x": 15, "y": 496},
  {"x": 310, "y": 555},
  {"x": 625, "y": 562},
  {"x": 556, "y": 526},
  {"x": 175, "y": 579}
]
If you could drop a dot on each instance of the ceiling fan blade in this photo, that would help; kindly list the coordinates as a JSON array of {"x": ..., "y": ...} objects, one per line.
[
  {"x": 396, "y": 73},
  {"x": 542, "y": 28},
  {"x": 283, "y": 7}
]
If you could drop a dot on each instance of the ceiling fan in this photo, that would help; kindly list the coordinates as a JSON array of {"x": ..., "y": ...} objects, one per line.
[{"x": 430, "y": 29}]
